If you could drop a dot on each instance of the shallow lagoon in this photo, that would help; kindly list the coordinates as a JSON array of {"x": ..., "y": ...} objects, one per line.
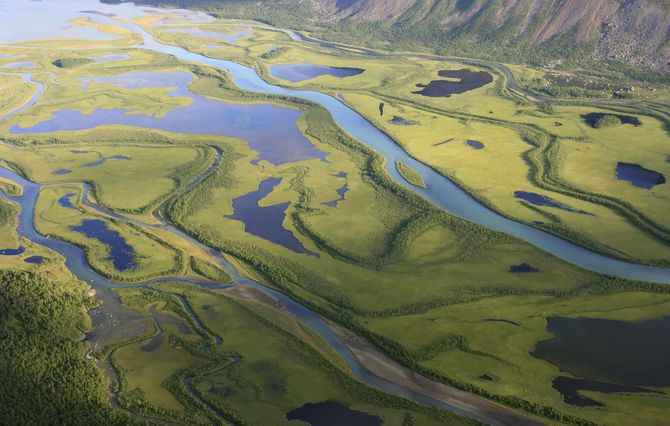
[
  {"x": 296, "y": 73},
  {"x": 268, "y": 129},
  {"x": 266, "y": 222},
  {"x": 121, "y": 254}
]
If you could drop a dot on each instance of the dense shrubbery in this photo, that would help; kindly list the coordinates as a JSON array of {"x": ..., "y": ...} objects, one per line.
[
  {"x": 44, "y": 376},
  {"x": 607, "y": 120}
]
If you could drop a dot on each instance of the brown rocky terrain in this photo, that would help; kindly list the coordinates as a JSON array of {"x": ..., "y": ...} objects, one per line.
[{"x": 630, "y": 31}]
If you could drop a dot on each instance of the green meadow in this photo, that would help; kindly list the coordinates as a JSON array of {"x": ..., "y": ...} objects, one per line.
[{"x": 432, "y": 291}]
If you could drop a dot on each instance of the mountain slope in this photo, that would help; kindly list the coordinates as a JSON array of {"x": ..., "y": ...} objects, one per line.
[{"x": 634, "y": 32}]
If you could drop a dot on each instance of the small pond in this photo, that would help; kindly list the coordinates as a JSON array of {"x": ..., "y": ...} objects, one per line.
[
  {"x": 340, "y": 191},
  {"x": 541, "y": 200},
  {"x": 35, "y": 260},
  {"x": 522, "y": 268},
  {"x": 331, "y": 413},
  {"x": 461, "y": 81},
  {"x": 266, "y": 222},
  {"x": 474, "y": 144},
  {"x": 66, "y": 201},
  {"x": 638, "y": 175},
  {"x": 122, "y": 255},
  {"x": 302, "y": 72},
  {"x": 62, "y": 171},
  {"x": 12, "y": 252},
  {"x": 592, "y": 118}
]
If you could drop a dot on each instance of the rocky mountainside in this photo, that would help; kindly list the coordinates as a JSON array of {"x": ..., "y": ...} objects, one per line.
[{"x": 634, "y": 32}]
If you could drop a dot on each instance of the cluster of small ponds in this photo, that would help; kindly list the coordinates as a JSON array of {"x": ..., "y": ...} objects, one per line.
[
  {"x": 268, "y": 129},
  {"x": 100, "y": 161}
]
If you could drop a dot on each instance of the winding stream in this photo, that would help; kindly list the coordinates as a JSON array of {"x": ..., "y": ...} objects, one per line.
[{"x": 440, "y": 191}]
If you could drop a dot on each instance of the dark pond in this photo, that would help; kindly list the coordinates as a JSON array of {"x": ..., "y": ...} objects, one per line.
[
  {"x": 627, "y": 353},
  {"x": 522, "y": 267},
  {"x": 121, "y": 255},
  {"x": 301, "y": 72},
  {"x": 332, "y": 414},
  {"x": 468, "y": 80},
  {"x": 266, "y": 222},
  {"x": 474, "y": 144},
  {"x": 485, "y": 377},
  {"x": 541, "y": 200},
  {"x": 36, "y": 260},
  {"x": 399, "y": 121},
  {"x": 66, "y": 201},
  {"x": 62, "y": 171},
  {"x": 638, "y": 175},
  {"x": 268, "y": 129},
  {"x": 381, "y": 108},
  {"x": 12, "y": 252},
  {"x": 592, "y": 118},
  {"x": 340, "y": 191},
  {"x": 569, "y": 388}
]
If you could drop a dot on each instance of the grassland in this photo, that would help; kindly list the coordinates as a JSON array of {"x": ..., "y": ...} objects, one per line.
[
  {"x": 410, "y": 175},
  {"x": 441, "y": 278},
  {"x": 547, "y": 150},
  {"x": 279, "y": 364}
]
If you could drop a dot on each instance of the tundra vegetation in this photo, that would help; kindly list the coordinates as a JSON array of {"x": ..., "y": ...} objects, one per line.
[{"x": 450, "y": 307}]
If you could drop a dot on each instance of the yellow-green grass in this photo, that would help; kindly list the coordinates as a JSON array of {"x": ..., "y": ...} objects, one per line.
[
  {"x": 14, "y": 92},
  {"x": 502, "y": 350},
  {"x": 277, "y": 372},
  {"x": 409, "y": 174},
  {"x": 152, "y": 173},
  {"x": 479, "y": 172},
  {"x": 153, "y": 257}
]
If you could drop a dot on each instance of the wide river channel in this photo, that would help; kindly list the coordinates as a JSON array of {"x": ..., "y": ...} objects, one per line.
[{"x": 440, "y": 191}]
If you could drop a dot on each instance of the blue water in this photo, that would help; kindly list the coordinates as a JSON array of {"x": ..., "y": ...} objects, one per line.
[
  {"x": 121, "y": 254},
  {"x": 268, "y": 129},
  {"x": 62, "y": 171},
  {"x": 541, "y": 200},
  {"x": 14, "y": 65},
  {"x": 12, "y": 252},
  {"x": 35, "y": 260},
  {"x": 301, "y": 72},
  {"x": 638, "y": 175},
  {"x": 266, "y": 222},
  {"x": 474, "y": 144},
  {"x": 340, "y": 191},
  {"x": 66, "y": 201}
]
